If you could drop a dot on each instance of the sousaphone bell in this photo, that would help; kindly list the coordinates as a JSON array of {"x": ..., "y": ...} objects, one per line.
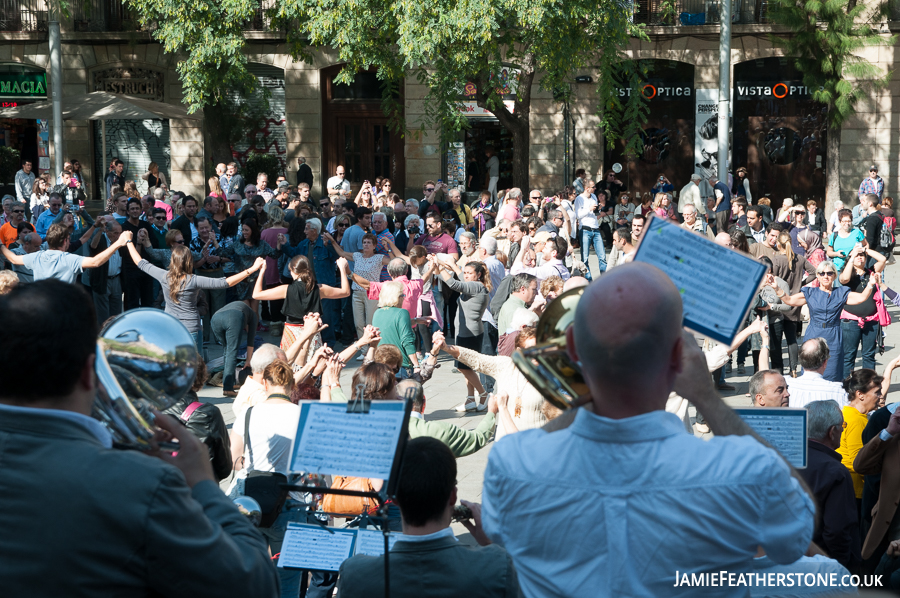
[
  {"x": 547, "y": 365},
  {"x": 146, "y": 359}
]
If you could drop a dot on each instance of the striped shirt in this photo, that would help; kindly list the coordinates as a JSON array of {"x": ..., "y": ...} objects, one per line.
[{"x": 812, "y": 387}]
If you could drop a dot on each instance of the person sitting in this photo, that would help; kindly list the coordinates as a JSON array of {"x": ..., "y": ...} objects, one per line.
[
  {"x": 461, "y": 442},
  {"x": 837, "y": 519},
  {"x": 811, "y": 386},
  {"x": 629, "y": 467},
  {"x": 252, "y": 390},
  {"x": 427, "y": 560},
  {"x": 143, "y": 524}
]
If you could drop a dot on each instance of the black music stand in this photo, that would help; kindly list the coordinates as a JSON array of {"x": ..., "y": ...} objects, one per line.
[{"x": 361, "y": 405}]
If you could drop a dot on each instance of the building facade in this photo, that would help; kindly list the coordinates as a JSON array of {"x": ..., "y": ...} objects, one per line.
[{"x": 778, "y": 133}]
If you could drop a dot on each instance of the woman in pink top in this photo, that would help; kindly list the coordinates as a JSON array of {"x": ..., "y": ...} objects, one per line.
[
  {"x": 510, "y": 209},
  {"x": 271, "y": 310}
]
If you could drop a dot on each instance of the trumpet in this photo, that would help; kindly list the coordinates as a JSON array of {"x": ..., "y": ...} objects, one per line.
[
  {"x": 547, "y": 365},
  {"x": 146, "y": 360}
]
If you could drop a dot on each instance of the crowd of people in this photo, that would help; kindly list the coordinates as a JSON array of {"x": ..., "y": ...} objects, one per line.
[{"x": 393, "y": 284}]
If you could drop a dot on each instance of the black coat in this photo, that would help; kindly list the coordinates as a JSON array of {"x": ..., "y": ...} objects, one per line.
[{"x": 207, "y": 424}]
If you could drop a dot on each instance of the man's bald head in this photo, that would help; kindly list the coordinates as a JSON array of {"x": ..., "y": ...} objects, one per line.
[
  {"x": 627, "y": 325},
  {"x": 723, "y": 239}
]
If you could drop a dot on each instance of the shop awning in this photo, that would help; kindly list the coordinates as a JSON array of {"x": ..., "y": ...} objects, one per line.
[{"x": 102, "y": 105}]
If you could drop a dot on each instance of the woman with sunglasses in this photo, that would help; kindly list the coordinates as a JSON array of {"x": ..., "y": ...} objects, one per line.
[
  {"x": 365, "y": 197},
  {"x": 161, "y": 257},
  {"x": 860, "y": 323},
  {"x": 825, "y": 306},
  {"x": 341, "y": 224}
]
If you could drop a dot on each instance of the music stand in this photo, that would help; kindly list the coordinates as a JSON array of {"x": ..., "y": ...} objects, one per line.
[{"x": 360, "y": 405}]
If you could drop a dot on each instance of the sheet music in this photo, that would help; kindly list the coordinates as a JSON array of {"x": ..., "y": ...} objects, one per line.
[
  {"x": 315, "y": 548},
  {"x": 331, "y": 441},
  {"x": 371, "y": 542},
  {"x": 716, "y": 283},
  {"x": 783, "y": 428}
]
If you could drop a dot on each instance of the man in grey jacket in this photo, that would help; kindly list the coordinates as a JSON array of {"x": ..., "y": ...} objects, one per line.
[{"x": 82, "y": 519}]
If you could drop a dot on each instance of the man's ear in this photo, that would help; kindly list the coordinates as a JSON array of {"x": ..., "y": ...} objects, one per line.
[
  {"x": 453, "y": 497},
  {"x": 87, "y": 380}
]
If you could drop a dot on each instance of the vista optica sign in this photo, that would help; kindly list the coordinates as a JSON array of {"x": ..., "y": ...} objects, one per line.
[{"x": 659, "y": 92}]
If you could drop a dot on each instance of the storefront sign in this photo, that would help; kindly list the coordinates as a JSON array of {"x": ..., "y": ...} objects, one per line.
[
  {"x": 136, "y": 82},
  {"x": 23, "y": 85},
  {"x": 706, "y": 132},
  {"x": 473, "y": 109},
  {"x": 751, "y": 90},
  {"x": 660, "y": 91},
  {"x": 507, "y": 84}
]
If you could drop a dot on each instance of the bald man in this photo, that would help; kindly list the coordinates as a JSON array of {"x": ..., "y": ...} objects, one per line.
[{"x": 623, "y": 501}]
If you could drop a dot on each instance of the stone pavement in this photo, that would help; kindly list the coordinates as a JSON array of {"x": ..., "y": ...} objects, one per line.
[{"x": 447, "y": 389}]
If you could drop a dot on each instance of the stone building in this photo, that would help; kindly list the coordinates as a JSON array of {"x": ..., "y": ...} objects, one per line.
[{"x": 778, "y": 131}]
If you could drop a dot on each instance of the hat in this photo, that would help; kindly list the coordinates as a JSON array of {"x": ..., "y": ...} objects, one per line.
[
  {"x": 541, "y": 237},
  {"x": 873, "y": 167},
  {"x": 283, "y": 184}
]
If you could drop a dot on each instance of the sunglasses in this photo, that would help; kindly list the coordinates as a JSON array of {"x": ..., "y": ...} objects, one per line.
[
  {"x": 429, "y": 189},
  {"x": 535, "y": 197},
  {"x": 343, "y": 225},
  {"x": 159, "y": 217},
  {"x": 18, "y": 211},
  {"x": 827, "y": 273}
]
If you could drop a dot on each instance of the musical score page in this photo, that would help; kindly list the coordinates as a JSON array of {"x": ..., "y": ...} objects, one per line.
[
  {"x": 371, "y": 542},
  {"x": 315, "y": 548},
  {"x": 331, "y": 441},
  {"x": 716, "y": 283},
  {"x": 783, "y": 428}
]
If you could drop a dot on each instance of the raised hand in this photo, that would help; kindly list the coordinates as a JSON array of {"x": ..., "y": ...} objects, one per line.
[
  {"x": 343, "y": 264},
  {"x": 259, "y": 264}
]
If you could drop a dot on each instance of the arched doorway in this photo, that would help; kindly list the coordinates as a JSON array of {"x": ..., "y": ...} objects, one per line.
[
  {"x": 667, "y": 137},
  {"x": 779, "y": 131},
  {"x": 356, "y": 133}
]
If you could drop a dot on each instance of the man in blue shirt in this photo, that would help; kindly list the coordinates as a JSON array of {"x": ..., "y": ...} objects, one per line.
[
  {"x": 723, "y": 204},
  {"x": 47, "y": 217},
  {"x": 661, "y": 503}
]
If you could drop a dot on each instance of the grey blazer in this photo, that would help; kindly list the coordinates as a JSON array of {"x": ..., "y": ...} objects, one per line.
[
  {"x": 78, "y": 519},
  {"x": 441, "y": 568}
]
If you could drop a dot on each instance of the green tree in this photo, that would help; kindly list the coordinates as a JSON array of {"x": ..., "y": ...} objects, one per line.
[
  {"x": 826, "y": 37},
  {"x": 442, "y": 43}
]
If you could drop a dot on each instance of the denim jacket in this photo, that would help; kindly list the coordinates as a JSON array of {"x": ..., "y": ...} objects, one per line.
[{"x": 324, "y": 259}]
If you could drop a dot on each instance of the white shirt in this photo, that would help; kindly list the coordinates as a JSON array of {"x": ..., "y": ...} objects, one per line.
[
  {"x": 250, "y": 394},
  {"x": 115, "y": 263},
  {"x": 97, "y": 429},
  {"x": 273, "y": 426},
  {"x": 690, "y": 194},
  {"x": 546, "y": 270},
  {"x": 444, "y": 533},
  {"x": 616, "y": 507},
  {"x": 584, "y": 211},
  {"x": 339, "y": 183},
  {"x": 497, "y": 272},
  {"x": 811, "y": 386}
]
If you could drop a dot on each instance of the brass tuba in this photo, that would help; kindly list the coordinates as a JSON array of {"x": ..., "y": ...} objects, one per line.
[
  {"x": 547, "y": 365},
  {"x": 146, "y": 359}
]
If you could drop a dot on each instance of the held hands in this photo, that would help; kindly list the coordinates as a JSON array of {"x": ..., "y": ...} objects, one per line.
[
  {"x": 693, "y": 382},
  {"x": 327, "y": 236},
  {"x": 142, "y": 236},
  {"x": 258, "y": 265},
  {"x": 281, "y": 240},
  {"x": 494, "y": 403},
  {"x": 333, "y": 368},
  {"x": 343, "y": 265},
  {"x": 124, "y": 238},
  {"x": 370, "y": 335},
  {"x": 438, "y": 340}
]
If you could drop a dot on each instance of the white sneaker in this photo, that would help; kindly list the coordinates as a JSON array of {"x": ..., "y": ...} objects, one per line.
[{"x": 469, "y": 405}]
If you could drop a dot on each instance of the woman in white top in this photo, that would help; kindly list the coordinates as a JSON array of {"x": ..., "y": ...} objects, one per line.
[
  {"x": 366, "y": 264},
  {"x": 39, "y": 198},
  {"x": 525, "y": 405}
]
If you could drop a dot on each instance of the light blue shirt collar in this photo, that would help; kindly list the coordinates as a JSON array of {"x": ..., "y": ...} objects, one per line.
[
  {"x": 893, "y": 407},
  {"x": 444, "y": 533},
  {"x": 97, "y": 429}
]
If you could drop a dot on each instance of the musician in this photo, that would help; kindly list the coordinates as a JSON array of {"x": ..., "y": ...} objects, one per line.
[
  {"x": 622, "y": 501},
  {"x": 82, "y": 519}
]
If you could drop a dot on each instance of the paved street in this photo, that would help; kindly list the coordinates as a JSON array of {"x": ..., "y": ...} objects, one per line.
[{"x": 447, "y": 389}]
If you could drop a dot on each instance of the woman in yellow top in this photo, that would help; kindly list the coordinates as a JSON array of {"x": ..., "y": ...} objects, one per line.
[{"x": 864, "y": 391}]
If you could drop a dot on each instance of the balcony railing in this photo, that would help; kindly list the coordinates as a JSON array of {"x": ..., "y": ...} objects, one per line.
[
  {"x": 696, "y": 12},
  {"x": 260, "y": 21},
  {"x": 24, "y": 15},
  {"x": 103, "y": 15}
]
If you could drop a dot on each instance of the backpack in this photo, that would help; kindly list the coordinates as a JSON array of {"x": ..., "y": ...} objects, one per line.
[{"x": 886, "y": 233}]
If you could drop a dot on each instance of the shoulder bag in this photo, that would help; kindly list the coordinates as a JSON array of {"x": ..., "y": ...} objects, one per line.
[{"x": 265, "y": 487}]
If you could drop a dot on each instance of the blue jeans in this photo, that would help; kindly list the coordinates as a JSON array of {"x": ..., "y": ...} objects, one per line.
[
  {"x": 588, "y": 238},
  {"x": 853, "y": 334}
]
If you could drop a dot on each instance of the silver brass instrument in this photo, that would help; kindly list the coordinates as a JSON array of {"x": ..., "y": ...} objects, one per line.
[
  {"x": 146, "y": 359},
  {"x": 547, "y": 365}
]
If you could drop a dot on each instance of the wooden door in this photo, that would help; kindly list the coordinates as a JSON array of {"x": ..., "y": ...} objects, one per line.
[{"x": 367, "y": 149}]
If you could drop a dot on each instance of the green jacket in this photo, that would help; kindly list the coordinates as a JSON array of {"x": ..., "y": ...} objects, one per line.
[{"x": 461, "y": 442}]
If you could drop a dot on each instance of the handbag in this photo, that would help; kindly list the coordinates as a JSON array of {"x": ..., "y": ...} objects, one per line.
[
  {"x": 265, "y": 487},
  {"x": 350, "y": 505}
]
